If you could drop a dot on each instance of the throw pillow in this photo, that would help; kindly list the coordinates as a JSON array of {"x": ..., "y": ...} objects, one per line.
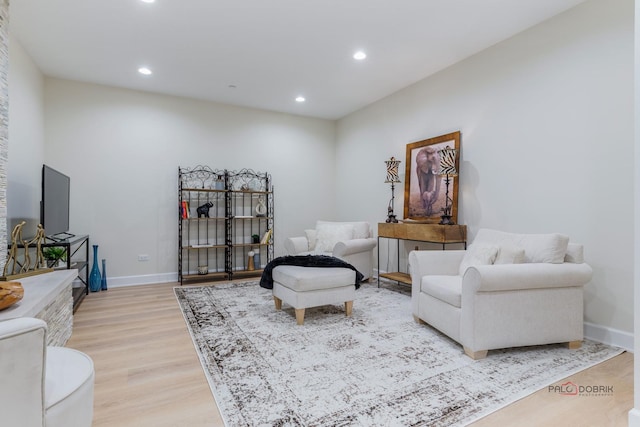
[
  {"x": 360, "y": 228},
  {"x": 550, "y": 247},
  {"x": 575, "y": 253},
  {"x": 477, "y": 255},
  {"x": 311, "y": 238},
  {"x": 330, "y": 234},
  {"x": 509, "y": 254},
  {"x": 544, "y": 247}
]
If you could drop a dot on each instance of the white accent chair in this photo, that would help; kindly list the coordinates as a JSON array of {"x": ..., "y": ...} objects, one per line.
[
  {"x": 42, "y": 386},
  {"x": 351, "y": 242},
  {"x": 506, "y": 290}
]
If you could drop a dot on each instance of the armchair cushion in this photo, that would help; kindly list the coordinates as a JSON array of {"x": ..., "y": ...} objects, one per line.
[
  {"x": 361, "y": 229},
  {"x": 508, "y": 254},
  {"x": 478, "y": 254},
  {"x": 575, "y": 253},
  {"x": 444, "y": 288},
  {"x": 330, "y": 234},
  {"x": 537, "y": 247},
  {"x": 68, "y": 384},
  {"x": 42, "y": 385},
  {"x": 312, "y": 236}
]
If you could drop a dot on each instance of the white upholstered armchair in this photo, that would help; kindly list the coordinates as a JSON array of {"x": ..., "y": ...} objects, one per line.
[
  {"x": 352, "y": 242},
  {"x": 506, "y": 290},
  {"x": 40, "y": 385}
]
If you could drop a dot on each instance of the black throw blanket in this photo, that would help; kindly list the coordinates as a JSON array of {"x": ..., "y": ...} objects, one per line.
[{"x": 266, "y": 281}]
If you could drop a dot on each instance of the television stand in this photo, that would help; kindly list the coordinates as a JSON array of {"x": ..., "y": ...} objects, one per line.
[
  {"x": 60, "y": 236},
  {"x": 73, "y": 245}
]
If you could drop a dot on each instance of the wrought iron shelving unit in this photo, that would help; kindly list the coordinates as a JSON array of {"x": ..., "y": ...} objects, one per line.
[{"x": 215, "y": 245}]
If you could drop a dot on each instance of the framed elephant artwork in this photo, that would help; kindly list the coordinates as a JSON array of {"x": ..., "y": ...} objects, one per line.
[{"x": 431, "y": 180}]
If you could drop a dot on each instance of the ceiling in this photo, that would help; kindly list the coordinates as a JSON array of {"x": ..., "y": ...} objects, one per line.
[{"x": 265, "y": 53}]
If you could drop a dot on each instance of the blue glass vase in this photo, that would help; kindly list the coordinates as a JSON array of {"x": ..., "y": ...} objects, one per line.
[
  {"x": 103, "y": 282},
  {"x": 95, "y": 278}
]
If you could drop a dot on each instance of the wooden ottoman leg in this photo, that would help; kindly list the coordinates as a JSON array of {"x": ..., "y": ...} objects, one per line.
[
  {"x": 574, "y": 345},
  {"x": 348, "y": 307},
  {"x": 299, "y": 316},
  {"x": 278, "y": 302},
  {"x": 475, "y": 355}
]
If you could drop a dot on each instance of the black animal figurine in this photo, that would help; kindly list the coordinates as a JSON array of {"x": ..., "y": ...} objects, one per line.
[{"x": 203, "y": 211}]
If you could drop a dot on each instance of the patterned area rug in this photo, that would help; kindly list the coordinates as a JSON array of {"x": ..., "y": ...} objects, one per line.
[{"x": 376, "y": 368}]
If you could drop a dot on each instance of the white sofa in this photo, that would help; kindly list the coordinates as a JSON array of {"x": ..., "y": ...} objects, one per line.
[
  {"x": 39, "y": 385},
  {"x": 506, "y": 290},
  {"x": 352, "y": 242}
]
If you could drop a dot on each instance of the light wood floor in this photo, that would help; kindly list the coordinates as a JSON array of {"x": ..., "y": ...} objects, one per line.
[{"x": 148, "y": 373}]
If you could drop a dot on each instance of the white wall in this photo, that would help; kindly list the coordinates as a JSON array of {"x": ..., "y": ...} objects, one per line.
[
  {"x": 544, "y": 117},
  {"x": 122, "y": 150},
  {"x": 547, "y": 141},
  {"x": 26, "y": 137},
  {"x": 634, "y": 413}
]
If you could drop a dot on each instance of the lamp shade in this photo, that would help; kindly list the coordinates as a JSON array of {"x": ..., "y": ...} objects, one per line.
[
  {"x": 392, "y": 170},
  {"x": 448, "y": 161}
]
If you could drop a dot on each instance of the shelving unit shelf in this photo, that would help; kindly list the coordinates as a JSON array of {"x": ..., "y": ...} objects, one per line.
[{"x": 220, "y": 213}]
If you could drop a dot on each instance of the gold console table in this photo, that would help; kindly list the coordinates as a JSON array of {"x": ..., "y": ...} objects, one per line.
[{"x": 429, "y": 233}]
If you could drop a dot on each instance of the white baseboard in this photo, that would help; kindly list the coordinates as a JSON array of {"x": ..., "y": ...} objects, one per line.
[
  {"x": 146, "y": 279},
  {"x": 609, "y": 336}
]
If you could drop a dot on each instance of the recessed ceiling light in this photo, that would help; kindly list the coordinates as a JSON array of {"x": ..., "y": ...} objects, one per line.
[
  {"x": 144, "y": 71},
  {"x": 359, "y": 55},
  {"x": 300, "y": 99},
  {"x": 149, "y": 1}
]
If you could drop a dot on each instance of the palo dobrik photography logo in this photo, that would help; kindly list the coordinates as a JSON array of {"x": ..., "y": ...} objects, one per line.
[
  {"x": 572, "y": 389},
  {"x": 569, "y": 389}
]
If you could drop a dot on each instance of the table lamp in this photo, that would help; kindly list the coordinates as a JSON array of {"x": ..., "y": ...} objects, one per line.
[
  {"x": 448, "y": 170},
  {"x": 392, "y": 178}
]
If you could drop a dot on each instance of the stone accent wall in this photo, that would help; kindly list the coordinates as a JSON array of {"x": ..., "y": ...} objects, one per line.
[
  {"x": 59, "y": 317},
  {"x": 4, "y": 125}
]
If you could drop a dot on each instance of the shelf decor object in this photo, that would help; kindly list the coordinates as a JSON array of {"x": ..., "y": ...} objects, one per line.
[
  {"x": 424, "y": 198},
  {"x": 392, "y": 178},
  {"x": 103, "y": 280},
  {"x": 10, "y": 293},
  {"x": 95, "y": 278},
  {"x": 448, "y": 170},
  {"x": 18, "y": 264},
  {"x": 234, "y": 208},
  {"x": 261, "y": 208}
]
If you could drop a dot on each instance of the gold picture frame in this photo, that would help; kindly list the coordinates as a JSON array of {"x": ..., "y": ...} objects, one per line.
[{"x": 424, "y": 189}]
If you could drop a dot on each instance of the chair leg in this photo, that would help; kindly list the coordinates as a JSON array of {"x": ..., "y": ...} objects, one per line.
[
  {"x": 574, "y": 345},
  {"x": 348, "y": 307},
  {"x": 299, "y": 316},
  {"x": 278, "y": 303},
  {"x": 475, "y": 355}
]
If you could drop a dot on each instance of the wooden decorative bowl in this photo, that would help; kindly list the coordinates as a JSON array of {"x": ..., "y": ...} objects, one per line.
[{"x": 10, "y": 293}]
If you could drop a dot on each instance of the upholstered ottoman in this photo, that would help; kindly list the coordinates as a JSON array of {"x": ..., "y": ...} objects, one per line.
[{"x": 303, "y": 287}]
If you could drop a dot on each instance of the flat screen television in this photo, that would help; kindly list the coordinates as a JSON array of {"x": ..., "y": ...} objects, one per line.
[{"x": 54, "y": 207}]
